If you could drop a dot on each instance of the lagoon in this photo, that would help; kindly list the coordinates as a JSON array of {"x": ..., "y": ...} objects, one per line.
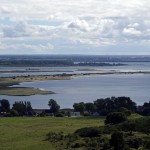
[{"x": 88, "y": 89}]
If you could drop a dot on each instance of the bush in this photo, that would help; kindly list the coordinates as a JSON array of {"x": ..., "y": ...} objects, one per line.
[
  {"x": 134, "y": 142},
  {"x": 125, "y": 111},
  {"x": 14, "y": 112},
  {"x": 115, "y": 118},
  {"x": 54, "y": 137},
  {"x": 60, "y": 115},
  {"x": 78, "y": 144},
  {"x": 86, "y": 114},
  {"x": 108, "y": 129},
  {"x": 89, "y": 132},
  {"x": 140, "y": 125},
  {"x": 42, "y": 114},
  {"x": 117, "y": 141},
  {"x": 129, "y": 125},
  {"x": 7, "y": 115},
  {"x": 147, "y": 143}
]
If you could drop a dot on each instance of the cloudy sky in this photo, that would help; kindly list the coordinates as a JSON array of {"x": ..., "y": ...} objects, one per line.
[{"x": 75, "y": 27}]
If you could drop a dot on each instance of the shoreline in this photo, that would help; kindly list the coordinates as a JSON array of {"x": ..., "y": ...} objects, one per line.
[{"x": 7, "y": 82}]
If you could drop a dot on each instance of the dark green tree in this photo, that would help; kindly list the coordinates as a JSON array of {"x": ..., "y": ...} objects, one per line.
[
  {"x": 125, "y": 102},
  {"x": 146, "y": 109},
  {"x": 90, "y": 107},
  {"x": 23, "y": 108},
  {"x": 29, "y": 109},
  {"x": 113, "y": 104},
  {"x": 115, "y": 118},
  {"x": 4, "y": 105},
  {"x": 79, "y": 107},
  {"x": 54, "y": 107},
  {"x": 19, "y": 107}
]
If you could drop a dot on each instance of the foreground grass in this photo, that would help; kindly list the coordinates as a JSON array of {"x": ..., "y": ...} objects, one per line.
[{"x": 25, "y": 133}]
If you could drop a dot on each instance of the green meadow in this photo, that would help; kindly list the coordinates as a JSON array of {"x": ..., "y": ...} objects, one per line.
[{"x": 29, "y": 133}]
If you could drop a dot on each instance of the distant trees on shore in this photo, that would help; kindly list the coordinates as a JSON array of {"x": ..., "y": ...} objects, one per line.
[
  {"x": 106, "y": 105},
  {"x": 54, "y": 107},
  {"x": 4, "y": 105},
  {"x": 101, "y": 107},
  {"x": 18, "y": 109},
  {"x": 23, "y": 108}
]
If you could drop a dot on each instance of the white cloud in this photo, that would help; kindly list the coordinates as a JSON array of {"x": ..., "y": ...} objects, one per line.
[
  {"x": 69, "y": 23},
  {"x": 79, "y": 25},
  {"x": 131, "y": 31},
  {"x": 134, "y": 25}
]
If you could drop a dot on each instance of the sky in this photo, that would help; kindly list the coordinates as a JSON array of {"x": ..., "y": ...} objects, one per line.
[{"x": 100, "y": 27}]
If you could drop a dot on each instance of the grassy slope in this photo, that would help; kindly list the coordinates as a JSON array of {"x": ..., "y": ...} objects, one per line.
[{"x": 29, "y": 133}]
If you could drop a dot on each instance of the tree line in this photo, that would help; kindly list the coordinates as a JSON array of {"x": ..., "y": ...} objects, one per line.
[
  {"x": 18, "y": 109},
  {"x": 106, "y": 105},
  {"x": 101, "y": 106}
]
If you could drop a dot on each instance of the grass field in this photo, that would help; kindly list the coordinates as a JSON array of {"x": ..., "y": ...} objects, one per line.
[{"x": 29, "y": 133}]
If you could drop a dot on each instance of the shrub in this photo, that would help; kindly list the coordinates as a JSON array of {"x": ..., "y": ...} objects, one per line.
[
  {"x": 42, "y": 114},
  {"x": 14, "y": 112},
  {"x": 78, "y": 144},
  {"x": 117, "y": 141},
  {"x": 115, "y": 118},
  {"x": 7, "y": 115},
  {"x": 129, "y": 125},
  {"x": 125, "y": 111},
  {"x": 108, "y": 129},
  {"x": 54, "y": 137},
  {"x": 134, "y": 142},
  {"x": 88, "y": 132},
  {"x": 140, "y": 125},
  {"x": 60, "y": 115},
  {"x": 147, "y": 143},
  {"x": 86, "y": 114}
]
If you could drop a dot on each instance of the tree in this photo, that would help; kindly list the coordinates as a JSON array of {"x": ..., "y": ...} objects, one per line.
[
  {"x": 29, "y": 109},
  {"x": 23, "y": 108},
  {"x": 125, "y": 102},
  {"x": 4, "y": 105},
  {"x": 54, "y": 107},
  {"x": 90, "y": 107},
  {"x": 19, "y": 107},
  {"x": 146, "y": 109},
  {"x": 113, "y": 104},
  {"x": 115, "y": 118},
  {"x": 80, "y": 107}
]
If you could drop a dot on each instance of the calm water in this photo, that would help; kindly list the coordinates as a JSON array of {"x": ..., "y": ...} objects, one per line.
[{"x": 87, "y": 89}]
